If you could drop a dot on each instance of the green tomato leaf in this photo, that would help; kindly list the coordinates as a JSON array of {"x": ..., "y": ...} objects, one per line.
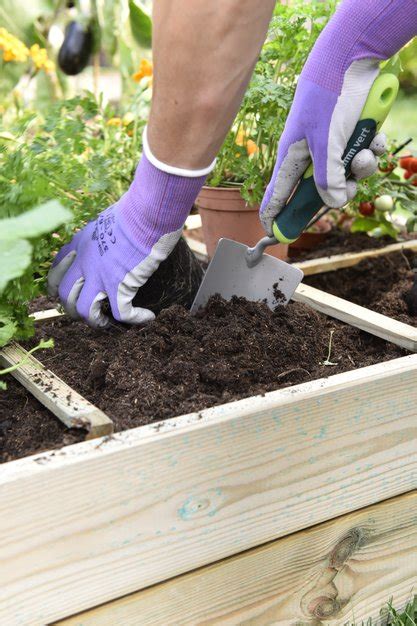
[
  {"x": 141, "y": 25},
  {"x": 15, "y": 258},
  {"x": 364, "y": 224},
  {"x": 388, "y": 229},
  {"x": 8, "y": 328},
  {"x": 411, "y": 224},
  {"x": 38, "y": 221}
]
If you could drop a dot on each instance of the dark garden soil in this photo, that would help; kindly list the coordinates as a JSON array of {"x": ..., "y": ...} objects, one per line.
[
  {"x": 26, "y": 427},
  {"x": 382, "y": 284},
  {"x": 338, "y": 242},
  {"x": 179, "y": 364}
]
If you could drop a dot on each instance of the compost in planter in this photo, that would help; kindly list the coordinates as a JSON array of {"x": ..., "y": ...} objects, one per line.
[
  {"x": 383, "y": 284},
  {"x": 339, "y": 242},
  {"x": 180, "y": 364}
]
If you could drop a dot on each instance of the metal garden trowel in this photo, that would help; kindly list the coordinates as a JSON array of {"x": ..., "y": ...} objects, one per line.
[
  {"x": 233, "y": 272},
  {"x": 237, "y": 270}
]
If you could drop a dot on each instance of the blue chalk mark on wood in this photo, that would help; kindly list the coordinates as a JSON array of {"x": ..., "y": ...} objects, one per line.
[
  {"x": 322, "y": 433},
  {"x": 201, "y": 505}
]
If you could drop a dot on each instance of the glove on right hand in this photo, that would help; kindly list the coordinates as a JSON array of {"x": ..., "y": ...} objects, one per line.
[{"x": 330, "y": 96}]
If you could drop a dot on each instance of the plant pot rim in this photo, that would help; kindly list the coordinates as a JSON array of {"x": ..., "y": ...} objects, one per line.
[
  {"x": 228, "y": 189},
  {"x": 224, "y": 199}
]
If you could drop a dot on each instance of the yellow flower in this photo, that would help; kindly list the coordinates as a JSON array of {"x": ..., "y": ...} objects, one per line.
[
  {"x": 128, "y": 118},
  {"x": 114, "y": 121},
  {"x": 13, "y": 48},
  {"x": 241, "y": 137},
  {"x": 145, "y": 69},
  {"x": 40, "y": 58},
  {"x": 251, "y": 147}
]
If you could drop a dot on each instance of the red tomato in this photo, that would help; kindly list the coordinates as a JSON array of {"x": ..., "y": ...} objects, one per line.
[
  {"x": 412, "y": 166},
  {"x": 408, "y": 174},
  {"x": 404, "y": 161},
  {"x": 366, "y": 208}
]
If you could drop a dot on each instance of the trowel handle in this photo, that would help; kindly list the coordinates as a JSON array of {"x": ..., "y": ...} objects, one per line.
[{"x": 306, "y": 200}]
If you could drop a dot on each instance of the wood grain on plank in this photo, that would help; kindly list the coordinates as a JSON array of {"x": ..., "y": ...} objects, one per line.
[
  {"x": 342, "y": 571},
  {"x": 99, "y": 520},
  {"x": 339, "y": 261},
  {"x": 63, "y": 401},
  {"x": 382, "y": 326}
]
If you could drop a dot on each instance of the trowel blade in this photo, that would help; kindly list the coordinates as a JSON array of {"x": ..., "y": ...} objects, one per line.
[{"x": 228, "y": 274}]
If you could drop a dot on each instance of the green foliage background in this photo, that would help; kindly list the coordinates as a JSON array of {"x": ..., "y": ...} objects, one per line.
[
  {"x": 70, "y": 155},
  {"x": 267, "y": 102}
]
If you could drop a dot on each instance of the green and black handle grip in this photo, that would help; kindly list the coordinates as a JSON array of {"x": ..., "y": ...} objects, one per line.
[{"x": 306, "y": 201}]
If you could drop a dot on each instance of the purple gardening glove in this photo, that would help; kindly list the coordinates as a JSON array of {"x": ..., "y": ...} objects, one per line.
[
  {"x": 331, "y": 93},
  {"x": 113, "y": 256}
]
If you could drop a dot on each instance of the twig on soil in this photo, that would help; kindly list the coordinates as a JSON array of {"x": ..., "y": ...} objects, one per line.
[
  {"x": 406, "y": 260},
  {"x": 292, "y": 371},
  {"x": 351, "y": 360},
  {"x": 329, "y": 353}
]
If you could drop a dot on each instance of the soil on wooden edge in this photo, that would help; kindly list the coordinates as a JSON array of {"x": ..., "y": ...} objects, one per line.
[
  {"x": 338, "y": 242},
  {"x": 380, "y": 283},
  {"x": 180, "y": 364}
]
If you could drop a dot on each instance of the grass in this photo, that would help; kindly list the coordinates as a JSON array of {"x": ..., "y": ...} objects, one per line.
[
  {"x": 407, "y": 618},
  {"x": 391, "y": 617}
]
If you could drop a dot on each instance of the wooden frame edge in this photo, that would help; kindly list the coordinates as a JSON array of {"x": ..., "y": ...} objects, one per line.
[
  {"x": 382, "y": 326},
  {"x": 148, "y": 504},
  {"x": 343, "y": 570},
  {"x": 341, "y": 261},
  {"x": 70, "y": 407},
  {"x": 206, "y": 418}
]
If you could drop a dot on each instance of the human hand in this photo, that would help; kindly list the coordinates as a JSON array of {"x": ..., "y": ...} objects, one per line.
[
  {"x": 329, "y": 99},
  {"x": 114, "y": 255}
]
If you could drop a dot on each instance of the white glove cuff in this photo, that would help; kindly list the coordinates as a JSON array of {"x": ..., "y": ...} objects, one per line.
[{"x": 170, "y": 169}]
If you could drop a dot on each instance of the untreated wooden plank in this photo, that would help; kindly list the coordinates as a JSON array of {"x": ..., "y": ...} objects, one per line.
[
  {"x": 98, "y": 520},
  {"x": 63, "y": 401},
  {"x": 338, "y": 261},
  {"x": 342, "y": 571},
  {"x": 48, "y": 314},
  {"x": 382, "y": 326},
  {"x": 193, "y": 221}
]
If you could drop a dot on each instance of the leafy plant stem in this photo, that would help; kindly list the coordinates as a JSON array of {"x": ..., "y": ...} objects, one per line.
[{"x": 42, "y": 344}]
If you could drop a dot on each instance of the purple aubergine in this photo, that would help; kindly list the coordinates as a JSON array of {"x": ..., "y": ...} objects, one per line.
[{"x": 76, "y": 49}]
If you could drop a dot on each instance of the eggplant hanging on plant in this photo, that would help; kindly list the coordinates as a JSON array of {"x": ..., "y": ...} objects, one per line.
[{"x": 76, "y": 49}]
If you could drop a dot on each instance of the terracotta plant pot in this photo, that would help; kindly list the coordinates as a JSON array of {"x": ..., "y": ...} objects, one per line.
[{"x": 224, "y": 213}]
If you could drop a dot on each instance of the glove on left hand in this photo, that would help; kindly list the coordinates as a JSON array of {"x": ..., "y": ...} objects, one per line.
[{"x": 114, "y": 255}]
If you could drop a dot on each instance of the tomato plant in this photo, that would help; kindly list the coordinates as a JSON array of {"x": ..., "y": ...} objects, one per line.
[
  {"x": 374, "y": 209},
  {"x": 73, "y": 156}
]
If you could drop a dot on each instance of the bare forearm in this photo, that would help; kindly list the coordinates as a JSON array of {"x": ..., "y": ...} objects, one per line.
[{"x": 204, "y": 54}]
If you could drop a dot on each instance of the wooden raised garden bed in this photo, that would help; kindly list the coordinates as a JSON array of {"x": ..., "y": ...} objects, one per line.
[{"x": 92, "y": 522}]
